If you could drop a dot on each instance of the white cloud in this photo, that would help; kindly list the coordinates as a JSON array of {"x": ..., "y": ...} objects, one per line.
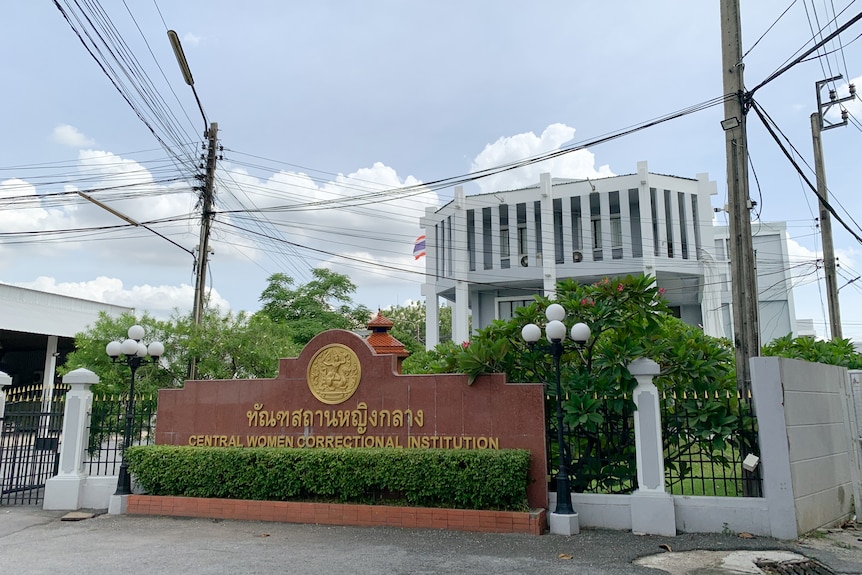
[
  {"x": 158, "y": 300},
  {"x": 578, "y": 165},
  {"x": 361, "y": 212},
  {"x": 797, "y": 252},
  {"x": 25, "y": 218},
  {"x": 70, "y": 136},
  {"x": 303, "y": 223},
  {"x": 191, "y": 39}
]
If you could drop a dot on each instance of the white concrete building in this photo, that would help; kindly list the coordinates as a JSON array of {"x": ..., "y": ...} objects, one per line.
[
  {"x": 774, "y": 282},
  {"x": 37, "y": 330},
  {"x": 491, "y": 253}
]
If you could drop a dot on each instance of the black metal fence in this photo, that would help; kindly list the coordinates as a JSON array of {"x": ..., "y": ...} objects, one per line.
[
  {"x": 107, "y": 425},
  {"x": 706, "y": 438},
  {"x": 29, "y": 443},
  {"x": 600, "y": 449}
]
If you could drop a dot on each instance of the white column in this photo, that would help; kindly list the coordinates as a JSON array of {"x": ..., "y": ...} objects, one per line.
[
  {"x": 646, "y": 219},
  {"x": 651, "y": 507},
  {"x": 48, "y": 373},
  {"x": 5, "y": 379},
  {"x": 549, "y": 264},
  {"x": 626, "y": 223},
  {"x": 662, "y": 223},
  {"x": 586, "y": 225},
  {"x": 432, "y": 315},
  {"x": 460, "y": 322},
  {"x": 64, "y": 491},
  {"x": 605, "y": 211},
  {"x": 429, "y": 288},
  {"x": 710, "y": 306}
]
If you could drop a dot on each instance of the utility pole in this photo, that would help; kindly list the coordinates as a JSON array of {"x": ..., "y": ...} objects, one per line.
[
  {"x": 818, "y": 124},
  {"x": 207, "y": 193},
  {"x": 746, "y": 328}
]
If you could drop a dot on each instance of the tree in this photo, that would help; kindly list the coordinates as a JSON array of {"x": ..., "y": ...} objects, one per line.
[
  {"x": 409, "y": 324},
  {"x": 114, "y": 377},
  {"x": 833, "y": 352},
  {"x": 234, "y": 346},
  {"x": 440, "y": 359},
  {"x": 629, "y": 319},
  {"x": 321, "y": 304},
  {"x": 227, "y": 345}
]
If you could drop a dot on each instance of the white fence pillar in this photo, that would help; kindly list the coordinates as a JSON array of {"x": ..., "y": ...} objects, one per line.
[
  {"x": 64, "y": 491},
  {"x": 652, "y": 508}
]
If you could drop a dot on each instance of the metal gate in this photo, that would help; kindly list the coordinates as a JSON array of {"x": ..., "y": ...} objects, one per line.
[{"x": 29, "y": 446}]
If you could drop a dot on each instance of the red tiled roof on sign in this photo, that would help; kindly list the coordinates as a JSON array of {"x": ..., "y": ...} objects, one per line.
[{"x": 381, "y": 340}]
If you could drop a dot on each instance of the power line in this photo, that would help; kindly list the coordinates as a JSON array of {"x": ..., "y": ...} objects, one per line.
[{"x": 796, "y": 166}]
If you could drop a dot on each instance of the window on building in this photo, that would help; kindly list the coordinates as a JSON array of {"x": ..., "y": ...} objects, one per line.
[
  {"x": 696, "y": 221},
  {"x": 438, "y": 251},
  {"x": 720, "y": 253},
  {"x": 521, "y": 213},
  {"x": 616, "y": 226},
  {"x": 635, "y": 219},
  {"x": 683, "y": 226},
  {"x": 559, "y": 250},
  {"x": 504, "y": 236},
  {"x": 506, "y": 307},
  {"x": 487, "y": 242},
  {"x": 596, "y": 222},
  {"x": 471, "y": 239},
  {"x": 450, "y": 258},
  {"x": 577, "y": 236},
  {"x": 668, "y": 222},
  {"x": 537, "y": 212},
  {"x": 653, "y": 200}
]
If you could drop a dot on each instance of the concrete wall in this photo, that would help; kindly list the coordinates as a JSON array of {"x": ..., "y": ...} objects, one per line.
[
  {"x": 692, "y": 514},
  {"x": 856, "y": 393},
  {"x": 809, "y": 458},
  {"x": 808, "y": 469},
  {"x": 855, "y": 409}
]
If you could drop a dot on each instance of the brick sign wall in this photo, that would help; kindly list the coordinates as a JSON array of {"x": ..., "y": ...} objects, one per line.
[{"x": 340, "y": 393}]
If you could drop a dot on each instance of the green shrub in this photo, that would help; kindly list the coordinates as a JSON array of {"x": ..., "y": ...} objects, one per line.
[{"x": 462, "y": 479}]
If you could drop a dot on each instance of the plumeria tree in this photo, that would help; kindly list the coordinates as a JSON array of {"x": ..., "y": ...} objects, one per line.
[{"x": 628, "y": 318}]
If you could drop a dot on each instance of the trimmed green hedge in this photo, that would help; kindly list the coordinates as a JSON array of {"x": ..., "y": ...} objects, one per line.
[{"x": 461, "y": 479}]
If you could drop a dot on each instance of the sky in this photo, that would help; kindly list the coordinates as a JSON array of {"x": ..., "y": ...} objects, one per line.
[{"x": 327, "y": 110}]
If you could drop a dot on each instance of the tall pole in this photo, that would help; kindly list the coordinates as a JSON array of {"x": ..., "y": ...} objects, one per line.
[
  {"x": 826, "y": 231},
  {"x": 564, "y": 490},
  {"x": 818, "y": 124},
  {"x": 206, "y": 224},
  {"x": 135, "y": 353},
  {"x": 746, "y": 329},
  {"x": 124, "y": 480}
]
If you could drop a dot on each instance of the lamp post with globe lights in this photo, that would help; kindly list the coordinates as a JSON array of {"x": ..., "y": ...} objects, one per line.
[
  {"x": 135, "y": 354},
  {"x": 555, "y": 332}
]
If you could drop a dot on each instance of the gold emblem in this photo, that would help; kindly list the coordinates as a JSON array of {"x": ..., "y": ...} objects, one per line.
[{"x": 334, "y": 373}]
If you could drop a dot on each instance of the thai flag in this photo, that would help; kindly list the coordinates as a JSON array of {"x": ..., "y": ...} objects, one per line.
[{"x": 419, "y": 247}]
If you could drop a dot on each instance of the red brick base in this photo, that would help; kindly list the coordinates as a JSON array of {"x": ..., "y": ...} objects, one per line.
[{"x": 533, "y": 522}]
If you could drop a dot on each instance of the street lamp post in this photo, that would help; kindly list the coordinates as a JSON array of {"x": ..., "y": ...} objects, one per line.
[
  {"x": 135, "y": 353},
  {"x": 555, "y": 331}
]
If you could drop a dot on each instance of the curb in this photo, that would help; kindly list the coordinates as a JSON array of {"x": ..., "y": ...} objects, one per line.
[{"x": 533, "y": 522}]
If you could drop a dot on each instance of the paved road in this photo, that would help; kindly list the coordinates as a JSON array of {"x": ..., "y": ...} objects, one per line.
[{"x": 33, "y": 542}]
